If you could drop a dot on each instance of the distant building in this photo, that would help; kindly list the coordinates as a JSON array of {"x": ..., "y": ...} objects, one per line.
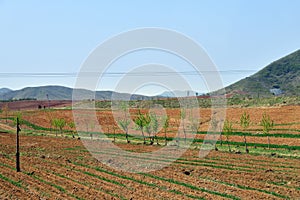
[{"x": 276, "y": 91}]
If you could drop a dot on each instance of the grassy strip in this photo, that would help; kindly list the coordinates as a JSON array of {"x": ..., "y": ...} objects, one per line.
[
  {"x": 247, "y": 188},
  {"x": 195, "y": 140},
  {"x": 61, "y": 189},
  {"x": 15, "y": 183},
  {"x": 195, "y": 162},
  {"x": 135, "y": 180},
  {"x": 191, "y": 186},
  {"x": 93, "y": 175},
  {"x": 104, "y": 179},
  {"x": 86, "y": 184},
  {"x": 185, "y": 162},
  {"x": 190, "y": 162},
  {"x": 280, "y": 135},
  {"x": 282, "y": 184},
  {"x": 34, "y": 126}
]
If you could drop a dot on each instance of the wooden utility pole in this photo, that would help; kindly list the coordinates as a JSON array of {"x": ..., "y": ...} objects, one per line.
[
  {"x": 18, "y": 147},
  {"x": 48, "y": 101}
]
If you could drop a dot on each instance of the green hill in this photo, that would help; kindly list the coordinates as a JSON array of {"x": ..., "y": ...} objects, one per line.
[{"x": 281, "y": 77}]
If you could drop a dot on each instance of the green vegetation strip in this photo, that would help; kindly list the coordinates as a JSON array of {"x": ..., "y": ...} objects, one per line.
[
  {"x": 93, "y": 175},
  {"x": 196, "y": 162},
  {"x": 282, "y": 184},
  {"x": 159, "y": 178},
  {"x": 130, "y": 179},
  {"x": 246, "y": 187},
  {"x": 86, "y": 184},
  {"x": 61, "y": 189},
  {"x": 191, "y": 186},
  {"x": 277, "y": 146},
  {"x": 281, "y": 135},
  {"x": 183, "y": 161},
  {"x": 15, "y": 183},
  {"x": 135, "y": 180}
]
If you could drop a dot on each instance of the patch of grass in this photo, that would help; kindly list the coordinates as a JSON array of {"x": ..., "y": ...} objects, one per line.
[
  {"x": 135, "y": 180},
  {"x": 85, "y": 184},
  {"x": 191, "y": 186},
  {"x": 246, "y": 187},
  {"x": 15, "y": 183},
  {"x": 186, "y": 162},
  {"x": 61, "y": 189},
  {"x": 104, "y": 179}
]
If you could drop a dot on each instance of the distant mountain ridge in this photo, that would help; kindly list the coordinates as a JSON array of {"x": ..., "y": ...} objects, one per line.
[
  {"x": 63, "y": 93},
  {"x": 281, "y": 77},
  {"x": 4, "y": 91},
  {"x": 179, "y": 93}
]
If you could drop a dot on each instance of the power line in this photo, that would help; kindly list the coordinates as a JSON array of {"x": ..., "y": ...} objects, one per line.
[{"x": 118, "y": 74}]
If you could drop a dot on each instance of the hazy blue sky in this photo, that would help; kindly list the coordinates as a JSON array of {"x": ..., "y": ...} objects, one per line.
[{"x": 56, "y": 36}]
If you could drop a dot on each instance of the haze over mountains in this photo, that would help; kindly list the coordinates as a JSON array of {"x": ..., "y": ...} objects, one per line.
[{"x": 281, "y": 77}]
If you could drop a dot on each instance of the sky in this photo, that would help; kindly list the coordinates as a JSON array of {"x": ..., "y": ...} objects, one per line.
[{"x": 46, "y": 42}]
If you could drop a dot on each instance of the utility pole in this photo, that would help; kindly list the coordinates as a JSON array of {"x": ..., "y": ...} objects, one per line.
[
  {"x": 18, "y": 147},
  {"x": 48, "y": 101}
]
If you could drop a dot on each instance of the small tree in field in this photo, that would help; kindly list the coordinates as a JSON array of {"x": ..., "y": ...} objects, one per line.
[
  {"x": 166, "y": 123},
  {"x": 72, "y": 126},
  {"x": 92, "y": 126},
  {"x": 18, "y": 115},
  {"x": 147, "y": 126},
  {"x": 60, "y": 124},
  {"x": 54, "y": 123},
  {"x": 114, "y": 132},
  {"x": 227, "y": 129},
  {"x": 50, "y": 118},
  {"x": 267, "y": 124},
  {"x": 152, "y": 126},
  {"x": 124, "y": 123},
  {"x": 183, "y": 116},
  {"x": 141, "y": 122},
  {"x": 214, "y": 124},
  {"x": 245, "y": 122},
  {"x": 194, "y": 125}
]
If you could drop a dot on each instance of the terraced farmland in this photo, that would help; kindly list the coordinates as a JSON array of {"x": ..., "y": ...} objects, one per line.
[{"x": 62, "y": 168}]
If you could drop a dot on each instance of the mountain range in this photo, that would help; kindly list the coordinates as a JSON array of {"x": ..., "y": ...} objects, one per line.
[
  {"x": 63, "y": 93},
  {"x": 281, "y": 77}
]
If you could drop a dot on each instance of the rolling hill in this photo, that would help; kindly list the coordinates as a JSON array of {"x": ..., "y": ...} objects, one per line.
[
  {"x": 63, "y": 93},
  {"x": 281, "y": 77}
]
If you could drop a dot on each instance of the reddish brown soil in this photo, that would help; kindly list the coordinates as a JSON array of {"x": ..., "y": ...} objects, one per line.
[
  {"x": 58, "y": 168},
  {"x": 33, "y": 104}
]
